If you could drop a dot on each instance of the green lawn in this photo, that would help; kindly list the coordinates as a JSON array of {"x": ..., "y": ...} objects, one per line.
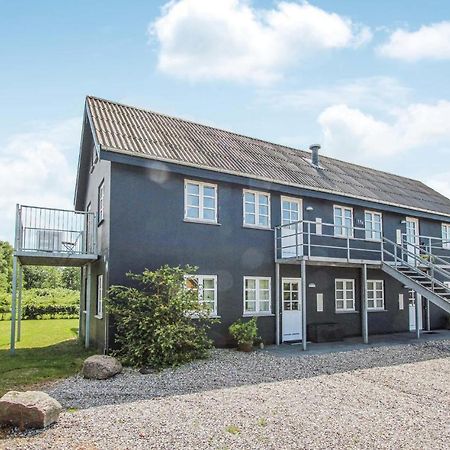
[{"x": 48, "y": 350}]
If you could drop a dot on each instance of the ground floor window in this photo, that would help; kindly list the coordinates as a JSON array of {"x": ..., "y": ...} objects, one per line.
[
  {"x": 257, "y": 295},
  {"x": 206, "y": 286},
  {"x": 345, "y": 295},
  {"x": 375, "y": 294},
  {"x": 99, "y": 303}
]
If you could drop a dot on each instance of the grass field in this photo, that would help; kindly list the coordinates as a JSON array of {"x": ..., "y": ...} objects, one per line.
[{"x": 48, "y": 350}]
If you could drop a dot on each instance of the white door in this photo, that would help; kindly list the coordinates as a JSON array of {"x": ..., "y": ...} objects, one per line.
[
  {"x": 291, "y": 236},
  {"x": 412, "y": 239},
  {"x": 292, "y": 309},
  {"x": 413, "y": 298}
]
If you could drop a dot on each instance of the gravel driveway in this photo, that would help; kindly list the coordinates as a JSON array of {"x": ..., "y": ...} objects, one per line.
[{"x": 384, "y": 397}]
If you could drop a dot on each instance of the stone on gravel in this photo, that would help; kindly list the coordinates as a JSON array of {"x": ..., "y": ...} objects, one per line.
[
  {"x": 101, "y": 367},
  {"x": 30, "y": 409}
]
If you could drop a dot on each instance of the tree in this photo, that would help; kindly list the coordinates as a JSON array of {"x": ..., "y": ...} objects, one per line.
[
  {"x": 161, "y": 323},
  {"x": 6, "y": 264},
  {"x": 42, "y": 277},
  {"x": 70, "y": 277}
]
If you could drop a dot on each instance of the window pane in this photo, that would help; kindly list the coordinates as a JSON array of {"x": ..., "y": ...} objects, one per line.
[
  {"x": 349, "y": 294},
  {"x": 209, "y": 191},
  {"x": 250, "y": 306},
  {"x": 208, "y": 295},
  {"x": 191, "y": 283},
  {"x": 209, "y": 214},
  {"x": 264, "y": 284},
  {"x": 264, "y": 295},
  {"x": 208, "y": 283},
  {"x": 250, "y": 295},
  {"x": 339, "y": 304},
  {"x": 339, "y": 285},
  {"x": 263, "y": 200},
  {"x": 264, "y": 210},
  {"x": 287, "y": 306},
  {"x": 193, "y": 188},
  {"x": 264, "y": 306},
  {"x": 349, "y": 304},
  {"x": 250, "y": 219},
  {"x": 250, "y": 208},
  {"x": 193, "y": 213},
  {"x": 339, "y": 294},
  {"x": 250, "y": 283},
  {"x": 249, "y": 197},
  {"x": 264, "y": 221},
  {"x": 193, "y": 200},
  {"x": 295, "y": 306},
  {"x": 370, "y": 303},
  {"x": 209, "y": 202}
]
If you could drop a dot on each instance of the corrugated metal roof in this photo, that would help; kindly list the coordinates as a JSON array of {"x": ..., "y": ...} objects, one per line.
[{"x": 152, "y": 135}]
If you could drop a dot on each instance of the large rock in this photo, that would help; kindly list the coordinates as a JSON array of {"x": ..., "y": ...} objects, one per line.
[
  {"x": 30, "y": 409},
  {"x": 101, "y": 367}
]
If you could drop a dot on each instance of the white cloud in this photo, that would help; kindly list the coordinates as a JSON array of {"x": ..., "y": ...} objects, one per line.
[
  {"x": 231, "y": 39},
  {"x": 352, "y": 134},
  {"x": 38, "y": 168},
  {"x": 428, "y": 42},
  {"x": 371, "y": 92}
]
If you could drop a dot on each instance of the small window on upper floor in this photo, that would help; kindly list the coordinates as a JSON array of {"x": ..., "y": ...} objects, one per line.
[
  {"x": 101, "y": 202},
  {"x": 256, "y": 208},
  {"x": 446, "y": 235},
  {"x": 343, "y": 221},
  {"x": 94, "y": 157},
  {"x": 99, "y": 302},
  {"x": 200, "y": 201},
  {"x": 373, "y": 225}
]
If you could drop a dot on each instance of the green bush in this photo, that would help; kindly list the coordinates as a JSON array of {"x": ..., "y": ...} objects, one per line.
[
  {"x": 43, "y": 304},
  {"x": 161, "y": 323},
  {"x": 244, "y": 332}
]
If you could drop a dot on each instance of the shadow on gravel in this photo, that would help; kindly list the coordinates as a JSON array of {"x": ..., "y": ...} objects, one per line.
[{"x": 229, "y": 368}]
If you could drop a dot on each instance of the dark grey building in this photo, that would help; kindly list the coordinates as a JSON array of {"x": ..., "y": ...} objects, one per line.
[{"x": 315, "y": 247}]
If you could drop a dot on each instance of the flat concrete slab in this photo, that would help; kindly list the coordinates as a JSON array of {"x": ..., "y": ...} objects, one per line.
[{"x": 356, "y": 343}]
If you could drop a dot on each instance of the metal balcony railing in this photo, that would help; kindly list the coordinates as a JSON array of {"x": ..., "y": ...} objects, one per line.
[
  {"x": 317, "y": 240},
  {"x": 55, "y": 231}
]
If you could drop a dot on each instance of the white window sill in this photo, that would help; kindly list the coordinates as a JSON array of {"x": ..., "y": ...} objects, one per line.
[
  {"x": 350, "y": 311},
  {"x": 376, "y": 310},
  {"x": 257, "y": 227},
  {"x": 340, "y": 237},
  {"x": 207, "y": 222},
  {"x": 98, "y": 317},
  {"x": 258, "y": 315}
]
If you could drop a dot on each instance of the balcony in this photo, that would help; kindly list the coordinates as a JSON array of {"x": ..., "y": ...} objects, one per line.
[
  {"x": 318, "y": 242},
  {"x": 55, "y": 237}
]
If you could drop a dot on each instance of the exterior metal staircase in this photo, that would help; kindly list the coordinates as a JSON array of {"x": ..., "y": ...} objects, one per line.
[{"x": 418, "y": 269}]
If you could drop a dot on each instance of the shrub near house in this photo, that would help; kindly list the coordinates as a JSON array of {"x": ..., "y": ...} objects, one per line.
[{"x": 161, "y": 323}]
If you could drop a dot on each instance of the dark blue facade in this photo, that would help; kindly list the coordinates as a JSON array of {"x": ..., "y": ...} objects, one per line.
[{"x": 144, "y": 227}]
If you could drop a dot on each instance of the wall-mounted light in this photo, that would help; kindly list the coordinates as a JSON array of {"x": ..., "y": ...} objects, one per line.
[
  {"x": 403, "y": 222},
  {"x": 309, "y": 208},
  {"x": 312, "y": 285}
]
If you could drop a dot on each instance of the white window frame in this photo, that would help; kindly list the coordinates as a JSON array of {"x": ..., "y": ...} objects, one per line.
[
  {"x": 201, "y": 198},
  {"x": 257, "y": 195},
  {"x": 99, "y": 299},
  {"x": 375, "y": 289},
  {"x": 200, "y": 283},
  {"x": 344, "y": 295},
  {"x": 258, "y": 300},
  {"x": 346, "y": 233},
  {"x": 370, "y": 233},
  {"x": 446, "y": 236},
  {"x": 101, "y": 202}
]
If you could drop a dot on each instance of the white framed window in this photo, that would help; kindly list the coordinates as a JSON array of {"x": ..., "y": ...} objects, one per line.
[
  {"x": 373, "y": 221},
  {"x": 375, "y": 294},
  {"x": 99, "y": 302},
  {"x": 206, "y": 286},
  {"x": 200, "y": 201},
  {"x": 257, "y": 295},
  {"x": 446, "y": 236},
  {"x": 343, "y": 221},
  {"x": 101, "y": 201},
  {"x": 291, "y": 211},
  {"x": 345, "y": 295},
  {"x": 256, "y": 209}
]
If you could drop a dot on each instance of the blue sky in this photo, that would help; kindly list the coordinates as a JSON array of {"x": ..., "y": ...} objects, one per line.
[{"x": 367, "y": 80}]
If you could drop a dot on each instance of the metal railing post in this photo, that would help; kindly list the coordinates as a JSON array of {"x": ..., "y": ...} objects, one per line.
[
  {"x": 296, "y": 240},
  {"x": 348, "y": 247},
  {"x": 309, "y": 239}
]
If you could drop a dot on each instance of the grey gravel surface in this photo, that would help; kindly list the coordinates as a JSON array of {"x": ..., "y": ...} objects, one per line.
[{"x": 386, "y": 397}]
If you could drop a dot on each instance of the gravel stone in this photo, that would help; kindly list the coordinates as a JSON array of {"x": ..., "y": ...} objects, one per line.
[{"x": 384, "y": 397}]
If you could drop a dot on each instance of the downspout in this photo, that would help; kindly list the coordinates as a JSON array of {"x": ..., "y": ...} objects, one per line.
[
  {"x": 277, "y": 303},
  {"x": 88, "y": 306}
]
